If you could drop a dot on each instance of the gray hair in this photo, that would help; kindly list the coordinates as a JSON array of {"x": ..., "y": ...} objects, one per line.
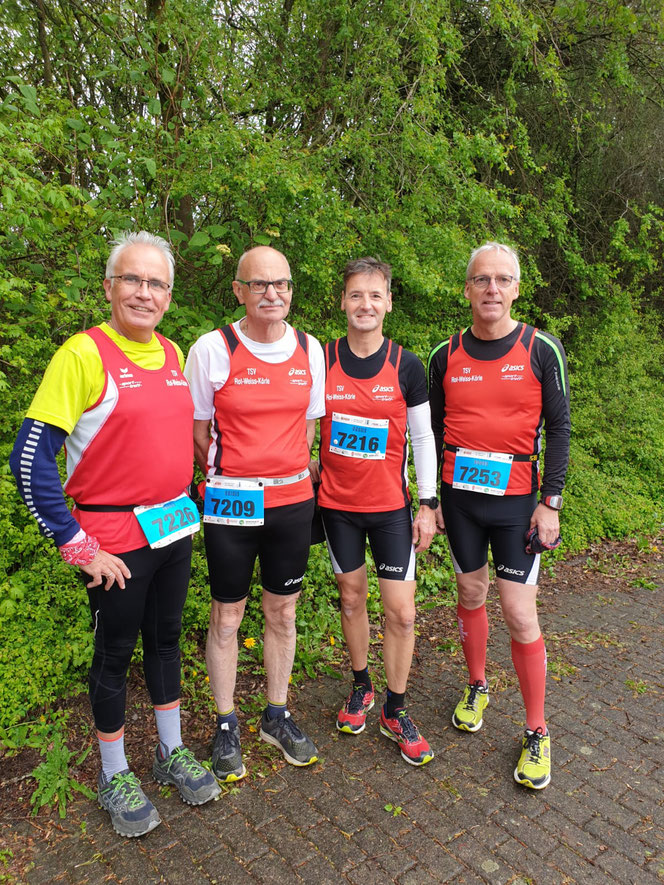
[
  {"x": 142, "y": 238},
  {"x": 368, "y": 265},
  {"x": 498, "y": 247}
]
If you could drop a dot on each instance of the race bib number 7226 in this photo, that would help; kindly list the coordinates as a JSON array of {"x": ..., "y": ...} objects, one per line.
[{"x": 166, "y": 523}]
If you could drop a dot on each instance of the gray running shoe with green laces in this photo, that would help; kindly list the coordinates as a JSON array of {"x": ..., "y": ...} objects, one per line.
[
  {"x": 132, "y": 813},
  {"x": 195, "y": 784}
]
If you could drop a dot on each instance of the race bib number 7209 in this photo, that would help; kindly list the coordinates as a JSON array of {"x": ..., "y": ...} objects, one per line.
[{"x": 231, "y": 501}]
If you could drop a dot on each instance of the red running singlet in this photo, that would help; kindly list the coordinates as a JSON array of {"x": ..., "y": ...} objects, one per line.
[
  {"x": 355, "y": 480},
  {"x": 494, "y": 406},
  {"x": 133, "y": 446},
  {"x": 260, "y": 419}
]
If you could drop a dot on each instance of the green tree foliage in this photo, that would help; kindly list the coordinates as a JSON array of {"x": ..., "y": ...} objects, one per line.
[{"x": 411, "y": 131}]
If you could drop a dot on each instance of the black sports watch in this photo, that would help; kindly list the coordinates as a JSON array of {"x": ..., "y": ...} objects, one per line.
[
  {"x": 430, "y": 502},
  {"x": 555, "y": 502}
]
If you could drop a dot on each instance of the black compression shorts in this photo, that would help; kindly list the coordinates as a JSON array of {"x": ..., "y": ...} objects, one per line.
[
  {"x": 473, "y": 521},
  {"x": 151, "y": 604},
  {"x": 281, "y": 545},
  {"x": 390, "y": 538}
]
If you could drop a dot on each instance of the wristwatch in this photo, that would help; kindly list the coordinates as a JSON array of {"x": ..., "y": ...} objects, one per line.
[
  {"x": 555, "y": 502},
  {"x": 430, "y": 502}
]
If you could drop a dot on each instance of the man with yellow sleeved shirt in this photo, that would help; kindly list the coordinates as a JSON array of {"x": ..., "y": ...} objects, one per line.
[{"x": 116, "y": 398}]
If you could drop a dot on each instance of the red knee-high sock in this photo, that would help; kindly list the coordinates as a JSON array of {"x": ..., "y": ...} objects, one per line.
[
  {"x": 474, "y": 632},
  {"x": 529, "y": 659}
]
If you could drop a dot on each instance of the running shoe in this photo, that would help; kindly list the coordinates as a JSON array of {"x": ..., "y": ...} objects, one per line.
[
  {"x": 352, "y": 717},
  {"x": 227, "y": 765},
  {"x": 195, "y": 784},
  {"x": 467, "y": 715},
  {"x": 534, "y": 766},
  {"x": 282, "y": 732},
  {"x": 401, "y": 729},
  {"x": 132, "y": 813}
]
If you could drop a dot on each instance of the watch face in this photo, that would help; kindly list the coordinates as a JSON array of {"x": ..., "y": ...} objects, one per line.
[{"x": 554, "y": 501}]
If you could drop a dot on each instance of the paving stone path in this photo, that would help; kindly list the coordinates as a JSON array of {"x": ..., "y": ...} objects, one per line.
[{"x": 460, "y": 819}]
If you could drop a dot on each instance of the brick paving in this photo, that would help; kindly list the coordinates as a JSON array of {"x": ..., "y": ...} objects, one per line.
[{"x": 461, "y": 818}]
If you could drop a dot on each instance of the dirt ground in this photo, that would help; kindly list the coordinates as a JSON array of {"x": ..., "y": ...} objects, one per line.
[{"x": 609, "y": 567}]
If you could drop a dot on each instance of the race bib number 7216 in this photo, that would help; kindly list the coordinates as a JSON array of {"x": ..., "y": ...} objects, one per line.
[{"x": 357, "y": 437}]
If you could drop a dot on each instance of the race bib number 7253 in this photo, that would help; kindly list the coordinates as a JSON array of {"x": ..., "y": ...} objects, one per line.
[{"x": 484, "y": 472}]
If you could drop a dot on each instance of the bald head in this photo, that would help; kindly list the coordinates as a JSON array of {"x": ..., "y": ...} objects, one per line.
[
  {"x": 260, "y": 272},
  {"x": 258, "y": 256}
]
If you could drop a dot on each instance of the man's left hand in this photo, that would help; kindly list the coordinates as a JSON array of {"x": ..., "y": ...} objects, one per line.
[
  {"x": 314, "y": 471},
  {"x": 424, "y": 528},
  {"x": 548, "y": 523}
]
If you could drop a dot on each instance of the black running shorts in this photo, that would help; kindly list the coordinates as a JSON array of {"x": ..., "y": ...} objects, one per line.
[
  {"x": 390, "y": 538},
  {"x": 473, "y": 521},
  {"x": 281, "y": 545}
]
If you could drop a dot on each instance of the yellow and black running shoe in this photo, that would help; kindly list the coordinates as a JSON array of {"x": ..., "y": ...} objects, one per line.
[
  {"x": 534, "y": 766},
  {"x": 467, "y": 715}
]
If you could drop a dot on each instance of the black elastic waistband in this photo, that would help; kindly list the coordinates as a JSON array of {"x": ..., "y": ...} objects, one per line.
[
  {"x": 106, "y": 508},
  {"x": 449, "y": 448}
]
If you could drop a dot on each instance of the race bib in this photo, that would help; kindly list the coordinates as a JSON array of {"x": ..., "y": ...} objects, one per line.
[
  {"x": 485, "y": 472},
  {"x": 359, "y": 437},
  {"x": 231, "y": 501},
  {"x": 165, "y": 523}
]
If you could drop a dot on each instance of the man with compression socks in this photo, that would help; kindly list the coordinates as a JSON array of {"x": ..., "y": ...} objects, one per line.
[{"x": 492, "y": 388}]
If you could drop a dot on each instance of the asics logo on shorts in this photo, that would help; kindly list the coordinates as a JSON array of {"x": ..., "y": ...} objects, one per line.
[
  {"x": 509, "y": 571},
  {"x": 293, "y": 581},
  {"x": 389, "y": 568}
]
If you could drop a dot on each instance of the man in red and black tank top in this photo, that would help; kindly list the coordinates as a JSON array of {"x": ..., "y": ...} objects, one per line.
[
  {"x": 257, "y": 387},
  {"x": 375, "y": 392},
  {"x": 493, "y": 388}
]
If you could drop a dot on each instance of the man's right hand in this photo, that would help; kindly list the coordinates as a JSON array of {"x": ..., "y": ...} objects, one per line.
[
  {"x": 440, "y": 522},
  {"x": 106, "y": 566}
]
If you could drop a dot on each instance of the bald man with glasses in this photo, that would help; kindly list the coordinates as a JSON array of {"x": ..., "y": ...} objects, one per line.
[{"x": 258, "y": 388}]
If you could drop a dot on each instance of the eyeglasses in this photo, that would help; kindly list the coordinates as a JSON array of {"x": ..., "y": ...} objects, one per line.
[
  {"x": 260, "y": 287},
  {"x": 503, "y": 281},
  {"x": 131, "y": 281}
]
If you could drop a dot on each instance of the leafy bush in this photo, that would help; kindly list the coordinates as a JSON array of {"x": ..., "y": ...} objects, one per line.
[{"x": 410, "y": 133}]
